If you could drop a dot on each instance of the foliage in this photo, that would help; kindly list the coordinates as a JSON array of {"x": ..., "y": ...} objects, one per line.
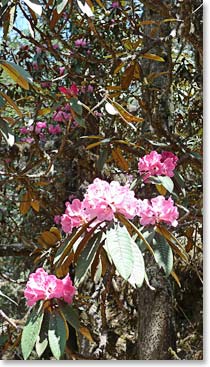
[{"x": 88, "y": 88}]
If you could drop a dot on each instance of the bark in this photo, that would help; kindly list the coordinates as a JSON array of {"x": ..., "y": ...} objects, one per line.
[{"x": 156, "y": 332}]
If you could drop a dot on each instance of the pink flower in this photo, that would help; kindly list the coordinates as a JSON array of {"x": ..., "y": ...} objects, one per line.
[
  {"x": 57, "y": 219},
  {"x": 115, "y": 4},
  {"x": 27, "y": 140},
  {"x": 74, "y": 216},
  {"x": 158, "y": 210},
  {"x": 90, "y": 89},
  {"x": 55, "y": 46},
  {"x": 39, "y": 126},
  {"x": 80, "y": 42},
  {"x": 46, "y": 84},
  {"x": 24, "y": 130},
  {"x": 54, "y": 130},
  {"x": 73, "y": 90},
  {"x": 102, "y": 200},
  {"x": 154, "y": 164},
  {"x": 61, "y": 116},
  {"x": 68, "y": 289},
  {"x": 35, "y": 66},
  {"x": 61, "y": 70},
  {"x": 42, "y": 286}
]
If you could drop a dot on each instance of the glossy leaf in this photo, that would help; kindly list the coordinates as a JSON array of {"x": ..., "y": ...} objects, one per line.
[
  {"x": 120, "y": 248},
  {"x": 153, "y": 57},
  {"x": 86, "y": 258},
  {"x": 7, "y": 133},
  {"x": 127, "y": 117},
  {"x": 17, "y": 73},
  {"x": 12, "y": 103},
  {"x": 57, "y": 334},
  {"x": 167, "y": 183},
  {"x": 127, "y": 76},
  {"x": 31, "y": 331},
  {"x": 138, "y": 271},
  {"x": 71, "y": 315},
  {"x": 163, "y": 254},
  {"x": 25, "y": 203},
  {"x": 61, "y": 6},
  {"x": 34, "y": 5},
  {"x": 119, "y": 159},
  {"x": 76, "y": 106},
  {"x": 42, "y": 340}
]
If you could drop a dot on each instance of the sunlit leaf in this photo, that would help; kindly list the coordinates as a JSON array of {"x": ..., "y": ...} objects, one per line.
[
  {"x": 25, "y": 203},
  {"x": 85, "y": 8},
  {"x": 127, "y": 76},
  {"x": 153, "y": 57},
  {"x": 110, "y": 109},
  {"x": 61, "y": 6},
  {"x": 119, "y": 159},
  {"x": 57, "y": 334},
  {"x": 127, "y": 117},
  {"x": 86, "y": 333},
  {"x": 7, "y": 133},
  {"x": 35, "y": 6},
  {"x": 42, "y": 339},
  {"x": 119, "y": 245},
  {"x": 138, "y": 271},
  {"x": 17, "y": 73},
  {"x": 31, "y": 331}
]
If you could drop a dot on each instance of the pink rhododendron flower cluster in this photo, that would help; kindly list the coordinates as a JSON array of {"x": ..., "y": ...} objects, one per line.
[
  {"x": 101, "y": 201},
  {"x": 42, "y": 286},
  {"x": 158, "y": 210},
  {"x": 155, "y": 164}
]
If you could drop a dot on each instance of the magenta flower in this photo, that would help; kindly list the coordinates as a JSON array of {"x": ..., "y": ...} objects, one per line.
[
  {"x": 158, "y": 210},
  {"x": 24, "y": 130},
  {"x": 81, "y": 42},
  {"x": 57, "y": 219},
  {"x": 54, "y": 130},
  {"x": 61, "y": 70},
  {"x": 61, "y": 116},
  {"x": 154, "y": 164},
  {"x": 39, "y": 126},
  {"x": 73, "y": 90},
  {"x": 42, "y": 286},
  {"x": 115, "y": 4}
]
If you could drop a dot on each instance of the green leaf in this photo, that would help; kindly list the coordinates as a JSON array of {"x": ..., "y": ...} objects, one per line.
[
  {"x": 7, "y": 133},
  {"x": 35, "y": 6},
  {"x": 31, "y": 331},
  {"x": 2, "y": 102},
  {"x": 120, "y": 248},
  {"x": 17, "y": 73},
  {"x": 76, "y": 106},
  {"x": 167, "y": 183},
  {"x": 71, "y": 315},
  {"x": 137, "y": 275},
  {"x": 61, "y": 6},
  {"x": 163, "y": 254},
  {"x": 86, "y": 258},
  {"x": 42, "y": 340},
  {"x": 80, "y": 120},
  {"x": 57, "y": 334}
]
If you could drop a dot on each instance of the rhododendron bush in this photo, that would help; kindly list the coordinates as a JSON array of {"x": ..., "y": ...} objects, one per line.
[{"x": 93, "y": 177}]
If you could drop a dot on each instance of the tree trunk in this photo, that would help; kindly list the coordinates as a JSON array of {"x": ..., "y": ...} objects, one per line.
[{"x": 156, "y": 333}]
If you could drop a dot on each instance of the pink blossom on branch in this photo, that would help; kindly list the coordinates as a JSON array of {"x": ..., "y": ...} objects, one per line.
[
  {"x": 157, "y": 210},
  {"x": 155, "y": 164},
  {"x": 42, "y": 286}
]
